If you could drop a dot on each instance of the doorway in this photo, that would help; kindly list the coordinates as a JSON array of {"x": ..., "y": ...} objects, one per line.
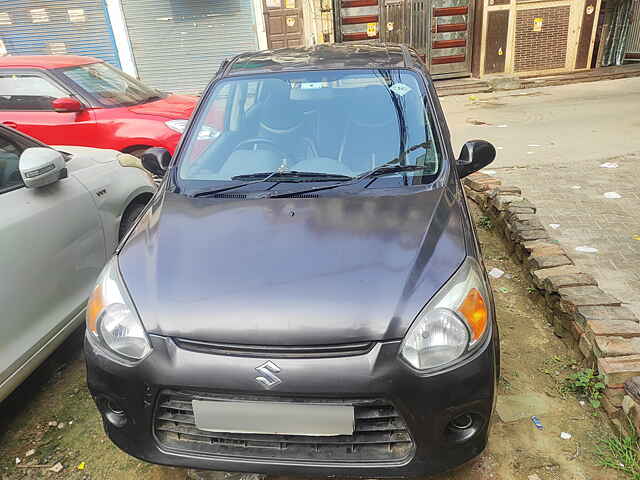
[{"x": 284, "y": 23}]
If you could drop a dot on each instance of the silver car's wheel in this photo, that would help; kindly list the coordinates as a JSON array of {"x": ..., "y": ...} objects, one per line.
[{"x": 129, "y": 217}]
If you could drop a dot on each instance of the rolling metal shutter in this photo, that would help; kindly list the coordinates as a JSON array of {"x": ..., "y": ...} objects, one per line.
[
  {"x": 178, "y": 45},
  {"x": 44, "y": 27}
]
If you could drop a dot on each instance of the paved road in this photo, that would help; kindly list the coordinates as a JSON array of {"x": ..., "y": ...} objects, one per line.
[{"x": 551, "y": 143}]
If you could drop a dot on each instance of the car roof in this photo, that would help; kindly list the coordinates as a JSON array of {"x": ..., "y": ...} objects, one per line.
[
  {"x": 322, "y": 57},
  {"x": 46, "y": 61}
]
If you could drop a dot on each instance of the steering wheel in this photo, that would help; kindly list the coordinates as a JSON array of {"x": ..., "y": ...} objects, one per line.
[{"x": 264, "y": 141}]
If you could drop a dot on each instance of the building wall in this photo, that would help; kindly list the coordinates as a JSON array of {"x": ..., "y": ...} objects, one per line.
[
  {"x": 545, "y": 49},
  {"x": 531, "y": 37}
]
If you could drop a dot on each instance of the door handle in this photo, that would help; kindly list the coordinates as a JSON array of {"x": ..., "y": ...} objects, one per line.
[{"x": 10, "y": 124}]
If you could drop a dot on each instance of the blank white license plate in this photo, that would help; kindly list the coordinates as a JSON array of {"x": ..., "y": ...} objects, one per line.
[{"x": 276, "y": 418}]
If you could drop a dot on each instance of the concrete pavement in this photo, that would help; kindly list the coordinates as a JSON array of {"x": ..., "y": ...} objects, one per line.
[{"x": 552, "y": 142}]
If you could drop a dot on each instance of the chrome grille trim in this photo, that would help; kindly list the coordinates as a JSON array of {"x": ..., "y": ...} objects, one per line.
[{"x": 276, "y": 351}]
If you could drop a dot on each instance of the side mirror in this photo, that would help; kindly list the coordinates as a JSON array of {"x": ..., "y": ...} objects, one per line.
[
  {"x": 475, "y": 154},
  {"x": 66, "y": 105},
  {"x": 156, "y": 160},
  {"x": 40, "y": 166}
]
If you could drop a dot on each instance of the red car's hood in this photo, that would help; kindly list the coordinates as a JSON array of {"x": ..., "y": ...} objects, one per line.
[{"x": 172, "y": 106}]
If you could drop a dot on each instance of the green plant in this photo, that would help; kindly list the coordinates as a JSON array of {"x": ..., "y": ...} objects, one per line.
[
  {"x": 531, "y": 290},
  {"x": 621, "y": 453},
  {"x": 586, "y": 383},
  {"x": 485, "y": 222}
]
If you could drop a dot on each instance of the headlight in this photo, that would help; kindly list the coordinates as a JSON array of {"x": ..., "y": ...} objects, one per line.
[
  {"x": 452, "y": 324},
  {"x": 111, "y": 317},
  {"x": 177, "y": 125},
  {"x": 206, "y": 132}
]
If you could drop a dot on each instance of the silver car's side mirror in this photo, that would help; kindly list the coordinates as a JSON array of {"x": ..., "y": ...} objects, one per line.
[{"x": 40, "y": 166}]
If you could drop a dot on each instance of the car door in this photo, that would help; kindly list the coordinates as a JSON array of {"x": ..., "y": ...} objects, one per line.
[
  {"x": 51, "y": 251},
  {"x": 25, "y": 104}
]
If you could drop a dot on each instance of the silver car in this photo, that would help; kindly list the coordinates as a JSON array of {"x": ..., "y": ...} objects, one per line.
[{"x": 62, "y": 213}]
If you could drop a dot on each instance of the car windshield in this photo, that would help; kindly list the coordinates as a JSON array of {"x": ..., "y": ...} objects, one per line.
[
  {"x": 110, "y": 86},
  {"x": 310, "y": 126}
]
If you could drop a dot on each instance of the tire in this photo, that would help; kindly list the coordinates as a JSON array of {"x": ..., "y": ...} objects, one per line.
[{"x": 129, "y": 217}]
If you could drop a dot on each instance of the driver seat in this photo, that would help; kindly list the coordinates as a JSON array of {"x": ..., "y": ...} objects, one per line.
[{"x": 283, "y": 122}]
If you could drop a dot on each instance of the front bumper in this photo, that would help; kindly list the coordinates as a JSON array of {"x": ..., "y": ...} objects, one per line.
[{"x": 426, "y": 403}]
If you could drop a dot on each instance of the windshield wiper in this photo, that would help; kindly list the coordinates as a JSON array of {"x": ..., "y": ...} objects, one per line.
[
  {"x": 315, "y": 176},
  {"x": 208, "y": 193},
  {"x": 152, "y": 98},
  {"x": 392, "y": 166},
  {"x": 264, "y": 176}
]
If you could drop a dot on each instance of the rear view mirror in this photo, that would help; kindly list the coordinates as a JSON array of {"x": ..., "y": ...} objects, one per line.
[
  {"x": 156, "y": 160},
  {"x": 40, "y": 166},
  {"x": 66, "y": 105},
  {"x": 475, "y": 154}
]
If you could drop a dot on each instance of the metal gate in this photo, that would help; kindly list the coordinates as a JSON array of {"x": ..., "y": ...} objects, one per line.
[
  {"x": 65, "y": 27},
  {"x": 632, "y": 44},
  {"x": 440, "y": 30}
]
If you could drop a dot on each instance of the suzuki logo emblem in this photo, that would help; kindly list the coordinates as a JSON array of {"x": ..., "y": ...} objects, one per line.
[{"x": 268, "y": 378}]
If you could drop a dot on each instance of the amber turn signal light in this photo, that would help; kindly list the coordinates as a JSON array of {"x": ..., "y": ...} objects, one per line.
[
  {"x": 474, "y": 310},
  {"x": 94, "y": 307}
]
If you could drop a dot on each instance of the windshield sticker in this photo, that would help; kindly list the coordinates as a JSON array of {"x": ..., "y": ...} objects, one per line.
[
  {"x": 400, "y": 89},
  {"x": 312, "y": 85}
]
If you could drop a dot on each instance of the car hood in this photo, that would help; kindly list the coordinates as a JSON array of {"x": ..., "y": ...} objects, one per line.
[
  {"x": 172, "y": 106},
  {"x": 291, "y": 271},
  {"x": 84, "y": 157}
]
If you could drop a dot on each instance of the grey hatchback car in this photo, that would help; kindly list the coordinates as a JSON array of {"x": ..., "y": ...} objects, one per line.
[{"x": 305, "y": 293}]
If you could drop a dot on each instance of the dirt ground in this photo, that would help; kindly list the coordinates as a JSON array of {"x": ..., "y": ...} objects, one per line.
[{"x": 53, "y": 414}]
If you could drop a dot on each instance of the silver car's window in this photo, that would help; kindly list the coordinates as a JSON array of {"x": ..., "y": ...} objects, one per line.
[
  {"x": 9, "y": 159},
  {"x": 340, "y": 122}
]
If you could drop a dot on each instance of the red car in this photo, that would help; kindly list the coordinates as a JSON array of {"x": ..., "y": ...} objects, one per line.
[{"x": 70, "y": 100}]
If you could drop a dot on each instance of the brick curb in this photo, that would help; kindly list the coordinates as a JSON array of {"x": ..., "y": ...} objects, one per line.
[{"x": 606, "y": 333}]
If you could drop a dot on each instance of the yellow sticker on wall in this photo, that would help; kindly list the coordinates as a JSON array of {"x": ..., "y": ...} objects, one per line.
[
  {"x": 372, "y": 29},
  {"x": 291, "y": 21},
  {"x": 537, "y": 24}
]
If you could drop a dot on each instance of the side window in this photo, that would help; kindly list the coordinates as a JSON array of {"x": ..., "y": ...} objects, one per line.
[
  {"x": 9, "y": 158},
  {"x": 27, "y": 92}
]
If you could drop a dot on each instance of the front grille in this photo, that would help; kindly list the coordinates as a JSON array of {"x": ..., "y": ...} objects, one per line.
[
  {"x": 274, "y": 351},
  {"x": 380, "y": 434}
]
